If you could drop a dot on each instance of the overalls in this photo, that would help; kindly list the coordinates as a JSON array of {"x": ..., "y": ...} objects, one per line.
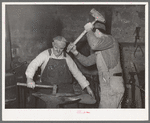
[{"x": 112, "y": 87}]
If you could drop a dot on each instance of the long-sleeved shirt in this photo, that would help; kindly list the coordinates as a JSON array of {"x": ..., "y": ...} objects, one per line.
[
  {"x": 104, "y": 43},
  {"x": 42, "y": 59},
  {"x": 99, "y": 41},
  {"x": 107, "y": 60}
]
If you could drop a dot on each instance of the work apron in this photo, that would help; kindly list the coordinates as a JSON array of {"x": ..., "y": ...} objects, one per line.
[
  {"x": 57, "y": 73},
  {"x": 111, "y": 87}
]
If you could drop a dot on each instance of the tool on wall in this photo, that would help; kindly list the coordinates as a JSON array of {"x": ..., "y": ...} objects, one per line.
[
  {"x": 136, "y": 50},
  {"x": 98, "y": 17},
  {"x": 137, "y": 37}
]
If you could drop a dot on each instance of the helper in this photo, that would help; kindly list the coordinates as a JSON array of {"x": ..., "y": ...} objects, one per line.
[{"x": 106, "y": 56}]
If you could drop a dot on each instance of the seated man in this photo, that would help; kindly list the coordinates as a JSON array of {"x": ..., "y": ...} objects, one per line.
[{"x": 56, "y": 68}]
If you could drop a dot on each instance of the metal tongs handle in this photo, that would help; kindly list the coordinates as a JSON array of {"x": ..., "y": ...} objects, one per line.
[{"x": 41, "y": 86}]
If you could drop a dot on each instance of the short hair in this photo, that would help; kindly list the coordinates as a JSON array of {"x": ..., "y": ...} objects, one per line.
[{"x": 60, "y": 38}]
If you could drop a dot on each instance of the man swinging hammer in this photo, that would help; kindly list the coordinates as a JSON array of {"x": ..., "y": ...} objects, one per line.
[{"x": 106, "y": 56}]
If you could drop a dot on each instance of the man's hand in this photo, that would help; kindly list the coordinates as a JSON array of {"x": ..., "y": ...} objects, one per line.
[
  {"x": 72, "y": 48},
  {"x": 88, "y": 27},
  {"x": 90, "y": 92},
  {"x": 30, "y": 83}
]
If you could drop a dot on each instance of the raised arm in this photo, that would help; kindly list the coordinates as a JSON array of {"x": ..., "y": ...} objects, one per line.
[{"x": 85, "y": 61}]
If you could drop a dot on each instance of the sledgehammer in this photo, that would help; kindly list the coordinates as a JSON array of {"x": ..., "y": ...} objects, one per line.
[{"x": 98, "y": 17}]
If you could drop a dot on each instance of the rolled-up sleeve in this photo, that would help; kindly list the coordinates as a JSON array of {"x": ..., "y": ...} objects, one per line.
[
  {"x": 35, "y": 63},
  {"x": 76, "y": 72}
]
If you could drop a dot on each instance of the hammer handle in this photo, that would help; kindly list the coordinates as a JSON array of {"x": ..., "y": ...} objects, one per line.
[
  {"x": 42, "y": 86},
  {"x": 81, "y": 35}
]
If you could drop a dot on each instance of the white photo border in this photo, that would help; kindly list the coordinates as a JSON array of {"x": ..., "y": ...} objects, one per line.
[{"x": 75, "y": 114}]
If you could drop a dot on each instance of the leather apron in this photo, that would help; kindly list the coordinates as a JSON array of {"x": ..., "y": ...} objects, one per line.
[{"x": 57, "y": 72}]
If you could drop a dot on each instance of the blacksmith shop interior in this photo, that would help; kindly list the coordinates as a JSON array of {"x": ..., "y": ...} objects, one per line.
[{"x": 31, "y": 29}]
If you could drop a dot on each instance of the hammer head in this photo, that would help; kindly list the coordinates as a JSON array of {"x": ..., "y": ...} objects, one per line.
[{"x": 99, "y": 17}]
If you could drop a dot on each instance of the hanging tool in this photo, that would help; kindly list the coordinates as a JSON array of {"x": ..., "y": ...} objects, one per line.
[
  {"x": 98, "y": 17},
  {"x": 137, "y": 37},
  {"x": 136, "y": 50}
]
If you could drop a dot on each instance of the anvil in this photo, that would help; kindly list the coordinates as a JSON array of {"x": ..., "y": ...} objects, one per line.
[{"x": 54, "y": 100}]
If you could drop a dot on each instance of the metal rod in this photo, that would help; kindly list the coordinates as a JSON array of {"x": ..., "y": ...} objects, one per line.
[{"x": 42, "y": 86}]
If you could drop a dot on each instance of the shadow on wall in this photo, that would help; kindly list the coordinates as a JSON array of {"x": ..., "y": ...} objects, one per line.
[
  {"x": 108, "y": 18},
  {"x": 55, "y": 30},
  {"x": 50, "y": 23},
  {"x": 34, "y": 27}
]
